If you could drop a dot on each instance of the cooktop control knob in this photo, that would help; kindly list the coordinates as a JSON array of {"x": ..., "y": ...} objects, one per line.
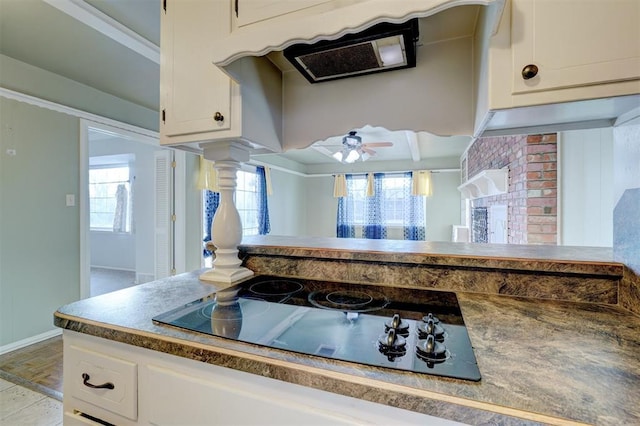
[
  {"x": 430, "y": 327},
  {"x": 430, "y": 350},
  {"x": 392, "y": 345},
  {"x": 396, "y": 323},
  {"x": 430, "y": 316}
]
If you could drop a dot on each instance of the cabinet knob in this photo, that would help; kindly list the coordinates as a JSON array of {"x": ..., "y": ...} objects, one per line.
[
  {"x": 529, "y": 71},
  {"x": 218, "y": 117}
]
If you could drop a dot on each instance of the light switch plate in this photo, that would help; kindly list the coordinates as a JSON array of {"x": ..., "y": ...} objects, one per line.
[{"x": 71, "y": 200}]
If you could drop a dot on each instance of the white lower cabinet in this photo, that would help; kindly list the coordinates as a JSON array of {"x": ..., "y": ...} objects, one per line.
[
  {"x": 177, "y": 391},
  {"x": 100, "y": 382}
]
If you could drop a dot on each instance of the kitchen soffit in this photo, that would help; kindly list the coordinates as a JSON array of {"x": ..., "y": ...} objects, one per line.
[{"x": 458, "y": 22}]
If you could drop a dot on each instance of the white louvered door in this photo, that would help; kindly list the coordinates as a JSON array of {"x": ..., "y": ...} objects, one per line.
[{"x": 163, "y": 212}]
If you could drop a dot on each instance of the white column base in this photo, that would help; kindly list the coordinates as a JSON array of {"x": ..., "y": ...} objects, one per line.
[
  {"x": 226, "y": 272},
  {"x": 226, "y": 276}
]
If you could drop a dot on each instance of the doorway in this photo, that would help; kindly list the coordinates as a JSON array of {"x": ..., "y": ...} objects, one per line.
[{"x": 126, "y": 200}]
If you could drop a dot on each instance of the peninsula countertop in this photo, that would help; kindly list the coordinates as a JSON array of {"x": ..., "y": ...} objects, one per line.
[
  {"x": 567, "y": 259},
  {"x": 544, "y": 361}
]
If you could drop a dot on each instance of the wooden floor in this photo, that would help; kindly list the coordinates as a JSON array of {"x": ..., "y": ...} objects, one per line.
[{"x": 37, "y": 367}]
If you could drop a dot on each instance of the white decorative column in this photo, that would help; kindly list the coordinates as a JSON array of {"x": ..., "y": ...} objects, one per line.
[{"x": 226, "y": 229}]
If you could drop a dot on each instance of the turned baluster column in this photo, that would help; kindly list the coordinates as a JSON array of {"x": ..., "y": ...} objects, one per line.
[{"x": 226, "y": 229}]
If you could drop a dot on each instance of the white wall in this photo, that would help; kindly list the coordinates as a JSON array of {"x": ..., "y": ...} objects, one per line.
[
  {"x": 443, "y": 207},
  {"x": 322, "y": 207},
  {"x": 626, "y": 225},
  {"x": 287, "y": 214},
  {"x": 193, "y": 213},
  {"x": 113, "y": 250},
  {"x": 586, "y": 187},
  {"x": 39, "y": 234}
]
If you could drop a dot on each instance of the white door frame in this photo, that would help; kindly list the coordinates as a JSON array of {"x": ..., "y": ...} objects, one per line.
[{"x": 134, "y": 134}]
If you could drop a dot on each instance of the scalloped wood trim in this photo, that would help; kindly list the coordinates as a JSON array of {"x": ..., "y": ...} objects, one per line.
[{"x": 261, "y": 38}]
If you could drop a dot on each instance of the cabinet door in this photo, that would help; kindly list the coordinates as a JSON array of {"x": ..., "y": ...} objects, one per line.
[
  {"x": 251, "y": 11},
  {"x": 183, "y": 399},
  {"x": 208, "y": 394},
  {"x": 574, "y": 42},
  {"x": 192, "y": 89}
]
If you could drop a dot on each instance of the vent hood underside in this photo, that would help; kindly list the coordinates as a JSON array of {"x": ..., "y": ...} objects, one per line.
[{"x": 383, "y": 47}]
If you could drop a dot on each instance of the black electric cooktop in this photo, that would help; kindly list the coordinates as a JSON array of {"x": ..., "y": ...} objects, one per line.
[{"x": 405, "y": 329}]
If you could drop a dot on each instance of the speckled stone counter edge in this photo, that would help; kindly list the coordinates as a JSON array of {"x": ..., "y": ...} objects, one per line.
[
  {"x": 576, "y": 274},
  {"x": 629, "y": 297},
  {"x": 584, "y": 260}
]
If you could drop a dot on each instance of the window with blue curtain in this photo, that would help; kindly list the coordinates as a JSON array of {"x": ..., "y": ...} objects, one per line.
[
  {"x": 387, "y": 204},
  {"x": 264, "y": 227},
  {"x": 251, "y": 203},
  {"x": 375, "y": 221},
  {"x": 414, "y": 218},
  {"x": 346, "y": 222},
  {"x": 211, "y": 203}
]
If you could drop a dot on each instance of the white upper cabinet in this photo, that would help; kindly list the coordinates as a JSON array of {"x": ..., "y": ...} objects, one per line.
[
  {"x": 199, "y": 102},
  {"x": 251, "y": 11},
  {"x": 574, "y": 43},
  {"x": 196, "y": 95},
  {"x": 558, "y": 65}
]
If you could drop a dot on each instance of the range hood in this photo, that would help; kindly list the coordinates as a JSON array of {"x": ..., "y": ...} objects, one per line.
[{"x": 383, "y": 47}]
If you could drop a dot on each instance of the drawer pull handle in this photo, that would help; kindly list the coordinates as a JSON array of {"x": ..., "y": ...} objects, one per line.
[{"x": 85, "y": 382}]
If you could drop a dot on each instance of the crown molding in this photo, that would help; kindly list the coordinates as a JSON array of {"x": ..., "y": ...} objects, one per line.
[
  {"x": 32, "y": 100},
  {"x": 92, "y": 17}
]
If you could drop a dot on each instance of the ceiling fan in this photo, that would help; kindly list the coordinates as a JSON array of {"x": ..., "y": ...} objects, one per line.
[{"x": 353, "y": 149}]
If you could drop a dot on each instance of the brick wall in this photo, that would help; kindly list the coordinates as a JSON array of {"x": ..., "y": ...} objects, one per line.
[
  {"x": 542, "y": 189},
  {"x": 532, "y": 195}
]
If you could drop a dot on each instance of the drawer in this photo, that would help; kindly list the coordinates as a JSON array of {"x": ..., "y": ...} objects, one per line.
[
  {"x": 104, "y": 381},
  {"x": 76, "y": 419}
]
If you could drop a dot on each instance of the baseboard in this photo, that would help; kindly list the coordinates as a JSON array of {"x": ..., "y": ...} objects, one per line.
[
  {"x": 111, "y": 268},
  {"x": 29, "y": 341},
  {"x": 144, "y": 278}
]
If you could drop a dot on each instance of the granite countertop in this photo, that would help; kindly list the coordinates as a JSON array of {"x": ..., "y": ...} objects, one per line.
[
  {"x": 543, "y": 361},
  {"x": 566, "y": 259}
]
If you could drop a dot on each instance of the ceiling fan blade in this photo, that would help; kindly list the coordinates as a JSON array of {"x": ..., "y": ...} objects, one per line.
[
  {"x": 367, "y": 150},
  {"x": 322, "y": 150},
  {"x": 378, "y": 144}
]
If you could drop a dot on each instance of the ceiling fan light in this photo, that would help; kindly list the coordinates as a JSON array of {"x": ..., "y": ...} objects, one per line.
[
  {"x": 338, "y": 156},
  {"x": 352, "y": 156}
]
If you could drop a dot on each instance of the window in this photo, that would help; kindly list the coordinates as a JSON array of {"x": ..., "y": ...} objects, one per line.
[
  {"x": 391, "y": 211},
  {"x": 110, "y": 198},
  {"x": 392, "y": 200},
  {"x": 247, "y": 201}
]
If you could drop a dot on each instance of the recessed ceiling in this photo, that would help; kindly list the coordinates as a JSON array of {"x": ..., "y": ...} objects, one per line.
[{"x": 426, "y": 146}]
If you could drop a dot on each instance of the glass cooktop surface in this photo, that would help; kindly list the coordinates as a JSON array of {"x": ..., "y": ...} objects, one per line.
[{"x": 404, "y": 329}]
